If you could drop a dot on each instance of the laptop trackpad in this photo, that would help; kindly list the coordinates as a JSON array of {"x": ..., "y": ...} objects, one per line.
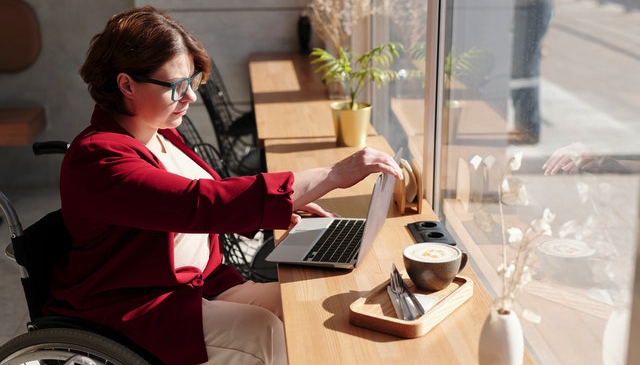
[
  {"x": 299, "y": 241},
  {"x": 304, "y": 238},
  {"x": 307, "y": 231}
]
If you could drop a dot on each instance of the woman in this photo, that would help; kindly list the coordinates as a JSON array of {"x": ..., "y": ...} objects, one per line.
[{"x": 144, "y": 211}]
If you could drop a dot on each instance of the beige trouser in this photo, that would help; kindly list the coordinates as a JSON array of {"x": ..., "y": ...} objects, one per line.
[{"x": 243, "y": 325}]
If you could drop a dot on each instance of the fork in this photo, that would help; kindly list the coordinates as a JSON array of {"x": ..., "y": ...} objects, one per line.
[{"x": 397, "y": 289}]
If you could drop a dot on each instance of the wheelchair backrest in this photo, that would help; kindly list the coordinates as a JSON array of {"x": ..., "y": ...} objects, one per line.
[{"x": 42, "y": 245}]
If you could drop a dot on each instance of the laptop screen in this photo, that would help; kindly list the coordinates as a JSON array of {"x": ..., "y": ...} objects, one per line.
[{"x": 378, "y": 208}]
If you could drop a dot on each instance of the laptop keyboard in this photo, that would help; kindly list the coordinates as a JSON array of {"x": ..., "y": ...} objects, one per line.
[{"x": 339, "y": 243}]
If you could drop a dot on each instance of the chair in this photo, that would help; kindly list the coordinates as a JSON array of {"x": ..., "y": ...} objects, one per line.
[
  {"x": 257, "y": 269},
  {"x": 244, "y": 122},
  {"x": 206, "y": 151},
  {"x": 235, "y": 249},
  {"x": 231, "y": 128}
]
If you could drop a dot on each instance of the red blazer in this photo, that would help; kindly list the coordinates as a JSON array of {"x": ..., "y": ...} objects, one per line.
[{"x": 122, "y": 208}]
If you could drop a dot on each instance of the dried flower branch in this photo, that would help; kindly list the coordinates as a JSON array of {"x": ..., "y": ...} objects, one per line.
[
  {"x": 409, "y": 17},
  {"x": 334, "y": 20},
  {"x": 516, "y": 273}
]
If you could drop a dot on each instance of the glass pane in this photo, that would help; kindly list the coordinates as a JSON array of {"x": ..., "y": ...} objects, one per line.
[
  {"x": 540, "y": 130},
  {"x": 399, "y": 106}
]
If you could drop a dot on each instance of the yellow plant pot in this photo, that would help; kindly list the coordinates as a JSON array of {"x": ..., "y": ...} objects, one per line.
[
  {"x": 351, "y": 126},
  {"x": 451, "y": 112}
]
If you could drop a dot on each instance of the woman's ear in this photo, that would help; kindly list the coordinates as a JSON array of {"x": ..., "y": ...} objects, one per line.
[{"x": 126, "y": 85}]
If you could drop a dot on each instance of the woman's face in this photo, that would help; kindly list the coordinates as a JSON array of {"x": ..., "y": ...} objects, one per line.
[{"x": 152, "y": 104}]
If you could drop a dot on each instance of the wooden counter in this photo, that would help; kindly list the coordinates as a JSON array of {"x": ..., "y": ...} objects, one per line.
[
  {"x": 290, "y": 100},
  {"x": 287, "y": 93},
  {"x": 296, "y": 132},
  {"x": 316, "y": 301}
]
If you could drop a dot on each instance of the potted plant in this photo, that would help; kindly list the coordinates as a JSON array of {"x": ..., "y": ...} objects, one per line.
[{"x": 352, "y": 118}]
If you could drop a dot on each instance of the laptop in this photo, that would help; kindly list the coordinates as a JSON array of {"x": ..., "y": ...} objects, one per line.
[{"x": 337, "y": 242}]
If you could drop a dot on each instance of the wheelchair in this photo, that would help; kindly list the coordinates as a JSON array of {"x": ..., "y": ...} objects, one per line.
[{"x": 56, "y": 339}]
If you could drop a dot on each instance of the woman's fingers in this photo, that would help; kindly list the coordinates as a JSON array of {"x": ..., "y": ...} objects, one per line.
[
  {"x": 295, "y": 219},
  {"x": 317, "y": 210},
  {"x": 567, "y": 159},
  {"x": 359, "y": 165}
]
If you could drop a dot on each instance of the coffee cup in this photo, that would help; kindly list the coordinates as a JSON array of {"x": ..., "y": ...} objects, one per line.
[
  {"x": 568, "y": 261},
  {"x": 432, "y": 266}
]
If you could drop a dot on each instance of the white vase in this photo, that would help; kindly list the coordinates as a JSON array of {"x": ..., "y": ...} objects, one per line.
[
  {"x": 501, "y": 341},
  {"x": 616, "y": 337}
]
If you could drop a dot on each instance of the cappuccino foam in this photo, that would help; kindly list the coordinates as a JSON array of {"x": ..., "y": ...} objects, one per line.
[
  {"x": 432, "y": 253},
  {"x": 566, "y": 248}
]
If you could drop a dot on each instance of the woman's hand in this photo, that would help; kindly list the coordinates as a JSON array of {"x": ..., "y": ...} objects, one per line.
[
  {"x": 309, "y": 210},
  {"x": 313, "y": 209},
  {"x": 359, "y": 165},
  {"x": 568, "y": 159},
  {"x": 309, "y": 185}
]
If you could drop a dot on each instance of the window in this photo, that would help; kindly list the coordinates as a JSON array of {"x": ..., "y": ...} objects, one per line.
[
  {"x": 399, "y": 112},
  {"x": 521, "y": 82}
]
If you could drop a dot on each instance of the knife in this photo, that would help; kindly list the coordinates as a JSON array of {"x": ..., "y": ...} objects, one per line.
[{"x": 408, "y": 292}]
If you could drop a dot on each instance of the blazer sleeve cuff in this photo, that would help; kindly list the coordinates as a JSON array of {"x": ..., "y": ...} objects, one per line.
[{"x": 278, "y": 205}]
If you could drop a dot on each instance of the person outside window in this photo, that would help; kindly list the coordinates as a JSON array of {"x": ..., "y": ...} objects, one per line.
[{"x": 530, "y": 22}]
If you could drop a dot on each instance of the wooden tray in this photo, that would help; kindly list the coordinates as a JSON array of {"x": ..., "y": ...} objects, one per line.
[{"x": 376, "y": 311}]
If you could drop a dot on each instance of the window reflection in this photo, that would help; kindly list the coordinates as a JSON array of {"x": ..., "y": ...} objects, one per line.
[
  {"x": 546, "y": 99},
  {"x": 552, "y": 85},
  {"x": 402, "y": 124}
]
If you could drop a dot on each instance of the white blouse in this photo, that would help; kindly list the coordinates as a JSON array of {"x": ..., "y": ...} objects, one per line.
[{"x": 189, "y": 249}]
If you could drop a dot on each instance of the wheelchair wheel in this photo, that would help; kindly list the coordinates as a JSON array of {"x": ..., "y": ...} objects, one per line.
[{"x": 66, "y": 346}]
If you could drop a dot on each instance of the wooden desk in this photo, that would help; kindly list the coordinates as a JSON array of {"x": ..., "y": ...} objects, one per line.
[
  {"x": 295, "y": 129},
  {"x": 287, "y": 94},
  {"x": 290, "y": 99},
  {"x": 316, "y": 301}
]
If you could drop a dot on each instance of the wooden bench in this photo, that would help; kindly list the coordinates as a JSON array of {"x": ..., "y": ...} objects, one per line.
[
  {"x": 21, "y": 125},
  {"x": 20, "y": 47}
]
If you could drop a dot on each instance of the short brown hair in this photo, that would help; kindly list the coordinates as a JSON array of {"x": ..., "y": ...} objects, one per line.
[{"x": 137, "y": 42}]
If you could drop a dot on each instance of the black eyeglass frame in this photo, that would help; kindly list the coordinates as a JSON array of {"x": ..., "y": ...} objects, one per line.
[{"x": 172, "y": 85}]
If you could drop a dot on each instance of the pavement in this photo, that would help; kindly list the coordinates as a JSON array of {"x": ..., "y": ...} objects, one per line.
[{"x": 590, "y": 78}]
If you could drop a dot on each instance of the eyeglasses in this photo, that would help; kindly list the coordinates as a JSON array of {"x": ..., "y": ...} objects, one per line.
[{"x": 178, "y": 88}]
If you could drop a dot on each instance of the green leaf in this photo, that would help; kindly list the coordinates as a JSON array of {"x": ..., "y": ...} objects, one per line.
[{"x": 373, "y": 65}]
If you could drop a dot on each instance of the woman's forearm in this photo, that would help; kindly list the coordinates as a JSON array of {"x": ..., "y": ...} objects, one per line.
[
  {"x": 312, "y": 184},
  {"x": 309, "y": 185}
]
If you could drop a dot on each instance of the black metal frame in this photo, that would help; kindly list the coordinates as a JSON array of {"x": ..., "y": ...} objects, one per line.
[{"x": 232, "y": 127}]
